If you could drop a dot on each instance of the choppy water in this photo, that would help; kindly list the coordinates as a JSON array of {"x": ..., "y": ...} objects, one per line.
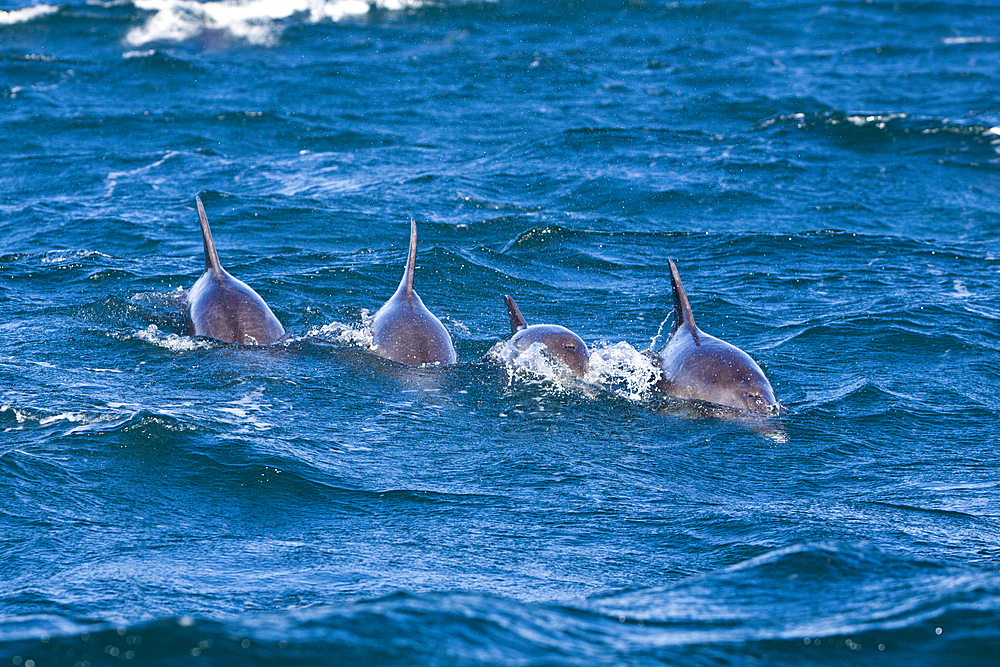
[{"x": 824, "y": 173}]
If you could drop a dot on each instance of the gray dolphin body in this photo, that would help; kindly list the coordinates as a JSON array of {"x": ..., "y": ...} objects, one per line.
[
  {"x": 695, "y": 365},
  {"x": 404, "y": 330},
  {"x": 560, "y": 343},
  {"x": 220, "y": 306}
]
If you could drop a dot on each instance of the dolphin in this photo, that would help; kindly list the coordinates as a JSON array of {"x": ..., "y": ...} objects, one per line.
[
  {"x": 220, "y": 306},
  {"x": 695, "y": 365},
  {"x": 560, "y": 343},
  {"x": 404, "y": 330}
]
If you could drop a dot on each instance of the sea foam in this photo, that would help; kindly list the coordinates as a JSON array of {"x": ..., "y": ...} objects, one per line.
[
  {"x": 254, "y": 21},
  {"x": 15, "y": 16}
]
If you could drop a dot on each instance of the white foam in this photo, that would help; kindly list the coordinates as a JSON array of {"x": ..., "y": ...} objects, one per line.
[
  {"x": 65, "y": 416},
  {"x": 19, "y": 415},
  {"x": 115, "y": 176},
  {"x": 533, "y": 364},
  {"x": 619, "y": 369},
  {"x": 345, "y": 334},
  {"x": 115, "y": 405},
  {"x": 27, "y": 14},
  {"x": 255, "y": 21},
  {"x": 531, "y": 359},
  {"x": 129, "y": 55},
  {"x": 993, "y": 132},
  {"x": 172, "y": 342},
  {"x": 967, "y": 40},
  {"x": 63, "y": 256},
  {"x": 961, "y": 291},
  {"x": 879, "y": 120},
  {"x": 624, "y": 371},
  {"x": 247, "y": 411},
  {"x": 82, "y": 419}
]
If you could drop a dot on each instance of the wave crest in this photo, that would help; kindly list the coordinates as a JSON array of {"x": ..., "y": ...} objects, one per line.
[
  {"x": 254, "y": 21},
  {"x": 27, "y": 14}
]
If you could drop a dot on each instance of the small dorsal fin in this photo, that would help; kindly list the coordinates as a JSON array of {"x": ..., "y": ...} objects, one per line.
[
  {"x": 682, "y": 309},
  {"x": 516, "y": 318},
  {"x": 211, "y": 257},
  {"x": 406, "y": 284}
]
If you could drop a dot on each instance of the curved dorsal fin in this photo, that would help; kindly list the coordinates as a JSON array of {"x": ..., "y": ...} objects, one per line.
[
  {"x": 211, "y": 257},
  {"x": 516, "y": 318},
  {"x": 406, "y": 284},
  {"x": 682, "y": 309}
]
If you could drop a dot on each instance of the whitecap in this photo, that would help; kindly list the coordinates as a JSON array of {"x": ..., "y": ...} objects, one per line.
[
  {"x": 65, "y": 416},
  {"x": 879, "y": 120},
  {"x": 993, "y": 132},
  {"x": 129, "y": 55},
  {"x": 63, "y": 256},
  {"x": 961, "y": 291},
  {"x": 19, "y": 415},
  {"x": 254, "y": 21},
  {"x": 27, "y": 14},
  {"x": 966, "y": 40}
]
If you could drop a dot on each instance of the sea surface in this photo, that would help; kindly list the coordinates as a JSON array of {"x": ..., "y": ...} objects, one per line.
[{"x": 826, "y": 174}]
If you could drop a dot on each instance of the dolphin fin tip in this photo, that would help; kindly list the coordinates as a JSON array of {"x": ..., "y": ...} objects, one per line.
[{"x": 517, "y": 321}]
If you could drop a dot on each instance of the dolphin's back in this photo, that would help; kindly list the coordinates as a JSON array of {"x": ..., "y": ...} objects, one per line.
[
  {"x": 227, "y": 309},
  {"x": 222, "y": 307},
  {"x": 404, "y": 330}
]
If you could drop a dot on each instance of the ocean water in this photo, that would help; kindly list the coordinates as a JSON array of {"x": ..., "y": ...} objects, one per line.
[{"x": 825, "y": 174}]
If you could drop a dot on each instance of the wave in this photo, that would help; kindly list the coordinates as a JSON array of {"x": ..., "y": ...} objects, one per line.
[
  {"x": 793, "y": 592},
  {"x": 906, "y": 133},
  {"x": 15, "y": 16},
  {"x": 254, "y": 21},
  {"x": 798, "y": 604}
]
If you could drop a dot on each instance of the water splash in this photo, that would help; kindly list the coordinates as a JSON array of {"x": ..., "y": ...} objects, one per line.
[
  {"x": 618, "y": 369},
  {"x": 172, "y": 342},
  {"x": 346, "y": 334},
  {"x": 624, "y": 371}
]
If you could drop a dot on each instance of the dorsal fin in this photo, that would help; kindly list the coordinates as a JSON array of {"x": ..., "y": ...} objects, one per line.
[
  {"x": 406, "y": 284},
  {"x": 682, "y": 309},
  {"x": 516, "y": 318},
  {"x": 211, "y": 257}
]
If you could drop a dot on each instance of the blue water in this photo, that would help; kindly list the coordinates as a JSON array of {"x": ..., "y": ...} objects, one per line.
[{"x": 825, "y": 174}]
